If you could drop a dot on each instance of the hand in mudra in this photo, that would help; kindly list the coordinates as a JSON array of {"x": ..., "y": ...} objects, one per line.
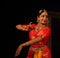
[
  {"x": 30, "y": 24},
  {"x": 18, "y": 50}
]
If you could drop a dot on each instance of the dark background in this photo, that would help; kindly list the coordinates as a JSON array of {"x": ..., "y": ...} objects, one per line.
[{"x": 24, "y": 12}]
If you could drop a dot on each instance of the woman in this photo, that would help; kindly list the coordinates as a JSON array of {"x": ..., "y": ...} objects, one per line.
[{"x": 39, "y": 35}]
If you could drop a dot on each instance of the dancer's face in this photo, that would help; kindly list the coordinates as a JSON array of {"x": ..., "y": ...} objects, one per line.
[{"x": 43, "y": 18}]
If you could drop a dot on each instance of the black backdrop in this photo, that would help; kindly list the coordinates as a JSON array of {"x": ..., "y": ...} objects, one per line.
[{"x": 24, "y": 12}]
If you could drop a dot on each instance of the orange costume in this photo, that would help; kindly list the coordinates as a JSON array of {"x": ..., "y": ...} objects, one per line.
[{"x": 45, "y": 51}]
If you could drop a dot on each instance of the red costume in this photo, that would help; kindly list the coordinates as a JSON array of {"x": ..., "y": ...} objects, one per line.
[{"x": 43, "y": 32}]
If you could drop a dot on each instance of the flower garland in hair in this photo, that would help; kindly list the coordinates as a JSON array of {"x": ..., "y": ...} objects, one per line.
[{"x": 40, "y": 11}]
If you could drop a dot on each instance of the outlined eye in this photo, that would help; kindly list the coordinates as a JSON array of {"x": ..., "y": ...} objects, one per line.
[
  {"x": 42, "y": 16},
  {"x": 46, "y": 16}
]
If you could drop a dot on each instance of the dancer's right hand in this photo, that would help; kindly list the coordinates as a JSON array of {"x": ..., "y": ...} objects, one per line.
[{"x": 18, "y": 50}]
